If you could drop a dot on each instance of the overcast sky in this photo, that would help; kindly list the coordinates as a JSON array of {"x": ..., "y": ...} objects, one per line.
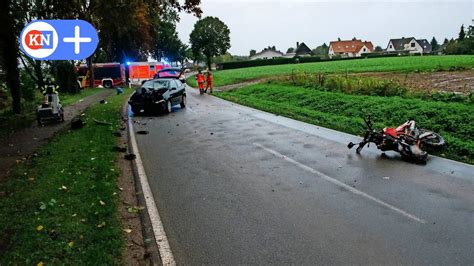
[{"x": 259, "y": 23}]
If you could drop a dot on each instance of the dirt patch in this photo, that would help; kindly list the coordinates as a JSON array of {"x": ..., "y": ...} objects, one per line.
[
  {"x": 21, "y": 144},
  {"x": 239, "y": 85},
  {"x": 452, "y": 81}
]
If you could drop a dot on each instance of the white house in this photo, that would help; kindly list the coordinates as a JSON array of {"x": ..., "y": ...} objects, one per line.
[
  {"x": 408, "y": 45},
  {"x": 350, "y": 48},
  {"x": 267, "y": 54}
]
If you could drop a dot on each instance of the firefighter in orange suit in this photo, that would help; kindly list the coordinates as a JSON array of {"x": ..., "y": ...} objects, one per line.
[
  {"x": 200, "y": 81},
  {"x": 209, "y": 80}
]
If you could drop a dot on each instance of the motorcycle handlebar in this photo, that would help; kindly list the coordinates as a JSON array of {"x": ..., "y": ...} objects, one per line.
[{"x": 368, "y": 121}]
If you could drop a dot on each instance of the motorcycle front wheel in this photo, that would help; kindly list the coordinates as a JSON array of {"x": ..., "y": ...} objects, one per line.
[{"x": 433, "y": 141}]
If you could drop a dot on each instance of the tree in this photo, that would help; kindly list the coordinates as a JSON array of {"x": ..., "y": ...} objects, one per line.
[
  {"x": 210, "y": 37},
  {"x": 378, "y": 49},
  {"x": 253, "y": 52},
  {"x": 434, "y": 44},
  {"x": 463, "y": 45},
  {"x": 321, "y": 50},
  {"x": 166, "y": 45},
  {"x": 227, "y": 57},
  {"x": 446, "y": 41},
  {"x": 181, "y": 56},
  {"x": 470, "y": 32},
  {"x": 462, "y": 33},
  {"x": 9, "y": 53},
  {"x": 290, "y": 50}
]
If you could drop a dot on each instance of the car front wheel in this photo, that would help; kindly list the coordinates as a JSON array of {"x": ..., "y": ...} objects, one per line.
[
  {"x": 168, "y": 106},
  {"x": 136, "y": 109},
  {"x": 183, "y": 101}
]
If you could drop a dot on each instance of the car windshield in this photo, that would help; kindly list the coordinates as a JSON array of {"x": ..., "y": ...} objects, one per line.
[{"x": 156, "y": 84}]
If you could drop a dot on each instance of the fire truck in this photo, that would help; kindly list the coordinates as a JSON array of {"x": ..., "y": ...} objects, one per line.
[
  {"x": 107, "y": 75},
  {"x": 140, "y": 72}
]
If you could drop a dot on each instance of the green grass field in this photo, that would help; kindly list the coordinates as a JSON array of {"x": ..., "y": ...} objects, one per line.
[
  {"x": 388, "y": 64},
  {"x": 344, "y": 112},
  {"x": 61, "y": 207}
]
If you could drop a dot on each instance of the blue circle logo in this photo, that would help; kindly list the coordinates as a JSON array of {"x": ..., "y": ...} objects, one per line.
[{"x": 59, "y": 39}]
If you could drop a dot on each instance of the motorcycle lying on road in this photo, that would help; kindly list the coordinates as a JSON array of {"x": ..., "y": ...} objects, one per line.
[{"x": 411, "y": 142}]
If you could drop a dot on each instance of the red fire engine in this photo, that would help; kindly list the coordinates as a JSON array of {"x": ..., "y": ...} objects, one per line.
[{"x": 107, "y": 75}]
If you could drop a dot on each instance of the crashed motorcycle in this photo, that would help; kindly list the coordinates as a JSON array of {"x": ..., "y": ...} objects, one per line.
[{"x": 411, "y": 142}]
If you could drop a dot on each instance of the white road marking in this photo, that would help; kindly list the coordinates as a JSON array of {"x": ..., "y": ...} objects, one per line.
[
  {"x": 341, "y": 184},
  {"x": 158, "y": 229}
]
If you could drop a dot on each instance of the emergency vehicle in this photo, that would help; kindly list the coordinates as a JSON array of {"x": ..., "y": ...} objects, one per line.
[
  {"x": 107, "y": 75},
  {"x": 139, "y": 72}
]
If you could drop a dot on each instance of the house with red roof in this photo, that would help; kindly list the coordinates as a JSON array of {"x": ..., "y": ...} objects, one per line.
[{"x": 350, "y": 48}]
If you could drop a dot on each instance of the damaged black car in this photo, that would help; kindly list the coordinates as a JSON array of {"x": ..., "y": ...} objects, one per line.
[{"x": 158, "y": 95}]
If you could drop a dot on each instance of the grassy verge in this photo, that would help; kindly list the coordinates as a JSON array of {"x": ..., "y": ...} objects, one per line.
[
  {"x": 68, "y": 99},
  {"x": 10, "y": 122},
  {"x": 61, "y": 206},
  {"x": 388, "y": 64},
  {"x": 455, "y": 121}
]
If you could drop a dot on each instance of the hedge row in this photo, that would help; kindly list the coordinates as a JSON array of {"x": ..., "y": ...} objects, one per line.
[
  {"x": 295, "y": 60},
  {"x": 253, "y": 63},
  {"x": 277, "y": 61}
]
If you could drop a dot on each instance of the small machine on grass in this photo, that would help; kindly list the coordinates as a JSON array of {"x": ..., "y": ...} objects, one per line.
[{"x": 51, "y": 108}]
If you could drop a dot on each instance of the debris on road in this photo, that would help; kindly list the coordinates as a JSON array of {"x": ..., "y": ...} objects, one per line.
[
  {"x": 130, "y": 156},
  {"x": 77, "y": 123},
  {"x": 142, "y": 132},
  {"x": 119, "y": 149},
  {"x": 101, "y": 122}
]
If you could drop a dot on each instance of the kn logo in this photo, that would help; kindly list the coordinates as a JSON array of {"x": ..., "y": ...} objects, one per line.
[{"x": 59, "y": 39}]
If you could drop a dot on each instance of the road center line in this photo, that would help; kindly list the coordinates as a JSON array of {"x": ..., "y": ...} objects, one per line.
[
  {"x": 164, "y": 248},
  {"x": 341, "y": 184}
]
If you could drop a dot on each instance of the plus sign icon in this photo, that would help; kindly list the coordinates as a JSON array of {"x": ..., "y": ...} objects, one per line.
[{"x": 59, "y": 39}]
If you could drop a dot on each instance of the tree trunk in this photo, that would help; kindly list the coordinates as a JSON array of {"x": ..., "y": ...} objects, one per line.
[
  {"x": 90, "y": 70},
  {"x": 9, "y": 54},
  {"x": 209, "y": 62},
  {"x": 39, "y": 74}
]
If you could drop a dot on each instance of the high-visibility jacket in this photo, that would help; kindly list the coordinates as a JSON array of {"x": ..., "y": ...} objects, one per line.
[
  {"x": 200, "y": 78},
  {"x": 50, "y": 89}
]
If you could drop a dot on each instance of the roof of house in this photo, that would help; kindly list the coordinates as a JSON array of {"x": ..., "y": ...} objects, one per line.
[
  {"x": 399, "y": 44},
  {"x": 350, "y": 46},
  {"x": 267, "y": 50},
  {"x": 303, "y": 49},
  {"x": 425, "y": 44}
]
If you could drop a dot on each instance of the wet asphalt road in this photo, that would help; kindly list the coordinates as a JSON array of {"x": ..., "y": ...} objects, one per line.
[{"x": 236, "y": 185}]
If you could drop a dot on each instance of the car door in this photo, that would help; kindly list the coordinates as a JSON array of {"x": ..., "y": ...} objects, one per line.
[{"x": 175, "y": 92}]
